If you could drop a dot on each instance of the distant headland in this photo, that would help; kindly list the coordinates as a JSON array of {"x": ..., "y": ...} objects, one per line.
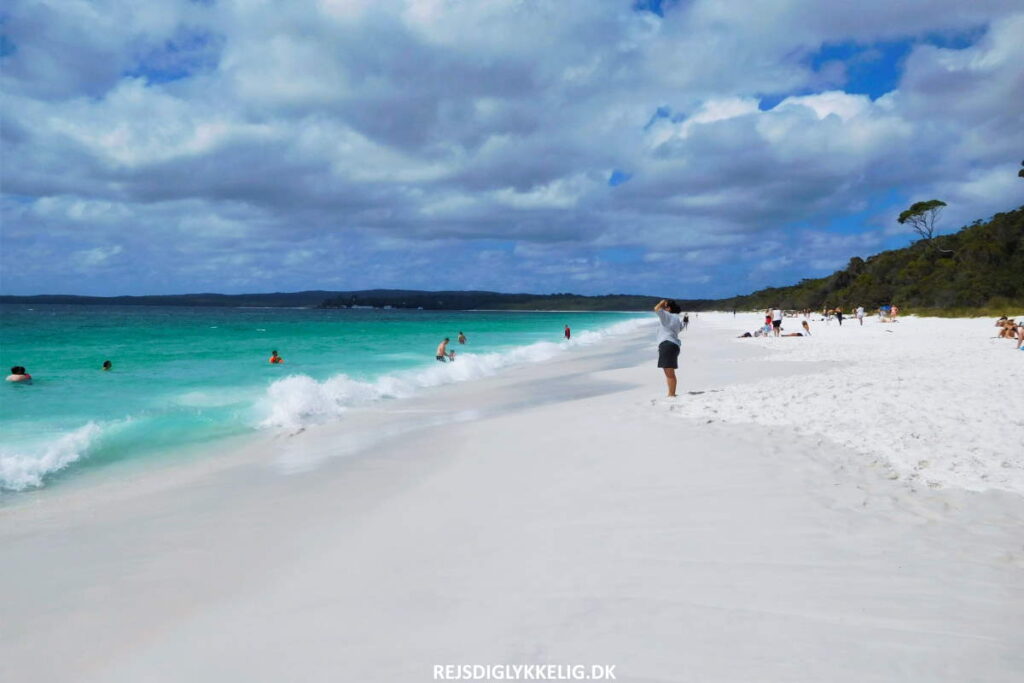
[{"x": 978, "y": 268}]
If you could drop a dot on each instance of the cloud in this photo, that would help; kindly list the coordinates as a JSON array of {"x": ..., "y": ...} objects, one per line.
[
  {"x": 90, "y": 259},
  {"x": 303, "y": 145}
]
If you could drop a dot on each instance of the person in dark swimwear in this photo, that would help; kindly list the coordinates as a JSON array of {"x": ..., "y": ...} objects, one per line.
[
  {"x": 443, "y": 354},
  {"x": 107, "y": 365}
]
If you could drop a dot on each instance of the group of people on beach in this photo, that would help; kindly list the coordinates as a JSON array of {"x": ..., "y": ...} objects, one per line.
[
  {"x": 1010, "y": 329},
  {"x": 774, "y": 316}
]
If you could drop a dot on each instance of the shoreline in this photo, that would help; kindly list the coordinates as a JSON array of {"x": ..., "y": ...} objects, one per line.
[
  {"x": 292, "y": 402},
  {"x": 557, "y": 512}
]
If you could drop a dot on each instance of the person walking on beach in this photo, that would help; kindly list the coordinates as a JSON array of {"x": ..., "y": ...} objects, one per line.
[
  {"x": 777, "y": 321},
  {"x": 462, "y": 338},
  {"x": 668, "y": 341},
  {"x": 686, "y": 320},
  {"x": 839, "y": 316},
  {"x": 860, "y": 315},
  {"x": 443, "y": 354},
  {"x": 568, "y": 332}
]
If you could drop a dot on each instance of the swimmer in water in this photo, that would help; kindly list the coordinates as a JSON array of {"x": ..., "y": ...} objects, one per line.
[
  {"x": 107, "y": 365},
  {"x": 274, "y": 358},
  {"x": 462, "y": 338},
  {"x": 443, "y": 355},
  {"x": 19, "y": 374}
]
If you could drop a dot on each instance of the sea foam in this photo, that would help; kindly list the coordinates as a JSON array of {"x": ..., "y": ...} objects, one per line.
[
  {"x": 297, "y": 401},
  {"x": 25, "y": 468}
]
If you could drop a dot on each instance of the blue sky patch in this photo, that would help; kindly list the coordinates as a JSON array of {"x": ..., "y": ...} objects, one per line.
[
  {"x": 618, "y": 178},
  {"x": 652, "y": 6},
  {"x": 183, "y": 56},
  {"x": 7, "y": 46}
]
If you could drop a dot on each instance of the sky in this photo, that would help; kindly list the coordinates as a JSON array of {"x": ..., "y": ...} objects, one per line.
[{"x": 685, "y": 148}]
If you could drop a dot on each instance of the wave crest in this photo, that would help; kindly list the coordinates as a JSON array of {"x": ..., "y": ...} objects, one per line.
[
  {"x": 25, "y": 468},
  {"x": 296, "y": 401}
]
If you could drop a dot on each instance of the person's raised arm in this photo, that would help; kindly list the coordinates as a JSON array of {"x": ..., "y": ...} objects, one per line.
[{"x": 660, "y": 305}]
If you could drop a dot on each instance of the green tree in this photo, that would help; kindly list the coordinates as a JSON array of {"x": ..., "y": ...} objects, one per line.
[{"x": 922, "y": 217}]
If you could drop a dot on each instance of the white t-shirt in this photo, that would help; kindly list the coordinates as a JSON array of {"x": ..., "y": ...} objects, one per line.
[
  {"x": 860, "y": 311},
  {"x": 776, "y": 314},
  {"x": 669, "y": 328}
]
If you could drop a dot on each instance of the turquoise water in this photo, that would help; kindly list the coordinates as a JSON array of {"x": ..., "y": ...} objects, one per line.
[{"x": 183, "y": 376}]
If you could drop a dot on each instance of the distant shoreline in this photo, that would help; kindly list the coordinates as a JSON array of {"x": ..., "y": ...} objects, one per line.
[{"x": 375, "y": 298}]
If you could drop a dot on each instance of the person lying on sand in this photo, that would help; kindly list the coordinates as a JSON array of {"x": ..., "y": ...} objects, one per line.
[
  {"x": 792, "y": 334},
  {"x": 807, "y": 328},
  {"x": 1007, "y": 328}
]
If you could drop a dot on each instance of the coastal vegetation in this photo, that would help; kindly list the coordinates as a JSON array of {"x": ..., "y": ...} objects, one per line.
[{"x": 981, "y": 266}]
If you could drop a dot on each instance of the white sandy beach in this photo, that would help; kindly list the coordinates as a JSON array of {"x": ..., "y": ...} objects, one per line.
[{"x": 845, "y": 507}]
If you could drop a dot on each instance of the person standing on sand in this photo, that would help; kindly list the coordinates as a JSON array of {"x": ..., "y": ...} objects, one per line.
[
  {"x": 668, "y": 341},
  {"x": 860, "y": 315},
  {"x": 777, "y": 321},
  {"x": 686, "y": 320},
  {"x": 839, "y": 316},
  {"x": 568, "y": 332}
]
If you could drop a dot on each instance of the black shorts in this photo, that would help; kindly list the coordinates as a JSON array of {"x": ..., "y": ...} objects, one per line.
[
  {"x": 776, "y": 324},
  {"x": 668, "y": 355}
]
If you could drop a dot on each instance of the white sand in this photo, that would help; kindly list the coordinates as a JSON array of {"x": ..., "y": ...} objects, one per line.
[{"x": 557, "y": 514}]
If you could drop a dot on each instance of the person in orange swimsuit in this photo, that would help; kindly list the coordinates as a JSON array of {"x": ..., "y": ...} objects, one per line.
[{"x": 274, "y": 358}]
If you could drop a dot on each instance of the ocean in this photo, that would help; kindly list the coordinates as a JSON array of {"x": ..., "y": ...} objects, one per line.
[{"x": 183, "y": 377}]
